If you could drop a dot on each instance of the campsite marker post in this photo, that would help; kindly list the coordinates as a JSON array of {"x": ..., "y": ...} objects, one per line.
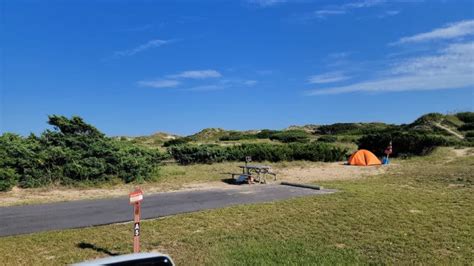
[{"x": 136, "y": 197}]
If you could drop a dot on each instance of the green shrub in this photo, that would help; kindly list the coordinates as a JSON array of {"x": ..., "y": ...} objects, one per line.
[
  {"x": 189, "y": 154},
  {"x": 466, "y": 117},
  {"x": 327, "y": 138},
  {"x": 176, "y": 141},
  {"x": 266, "y": 133},
  {"x": 73, "y": 152},
  {"x": 236, "y": 135},
  {"x": 428, "y": 119},
  {"x": 470, "y": 137},
  {"x": 8, "y": 178},
  {"x": 288, "y": 136},
  {"x": 404, "y": 143},
  {"x": 470, "y": 134},
  {"x": 355, "y": 128},
  {"x": 467, "y": 127},
  {"x": 260, "y": 152}
]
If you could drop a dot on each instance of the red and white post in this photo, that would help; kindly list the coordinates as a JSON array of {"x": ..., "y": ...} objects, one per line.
[{"x": 136, "y": 197}]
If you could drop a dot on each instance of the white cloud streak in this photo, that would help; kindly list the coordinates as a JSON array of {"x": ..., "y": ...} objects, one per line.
[
  {"x": 197, "y": 74},
  {"x": 203, "y": 88},
  {"x": 160, "y": 83},
  {"x": 345, "y": 8},
  {"x": 250, "y": 82},
  {"x": 194, "y": 78},
  {"x": 265, "y": 3},
  {"x": 389, "y": 13},
  {"x": 392, "y": 12},
  {"x": 329, "y": 77},
  {"x": 223, "y": 84},
  {"x": 362, "y": 4},
  {"x": 450, "y": 31},
  {"x": 449, "y": 68},
  {"x": 328, "y": 12},
  {"x": 142, "y": 47},
  {"x": 172, "y": 81}
]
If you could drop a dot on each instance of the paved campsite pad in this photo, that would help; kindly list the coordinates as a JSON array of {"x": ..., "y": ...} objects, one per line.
[{"x": 54, "y": 216}]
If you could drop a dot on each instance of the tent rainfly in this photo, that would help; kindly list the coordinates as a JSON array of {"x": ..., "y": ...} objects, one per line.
[{"x": 363, "y": 158}]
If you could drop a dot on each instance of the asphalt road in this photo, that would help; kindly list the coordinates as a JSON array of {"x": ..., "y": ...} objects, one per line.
[{"x": 54, "y": 216}]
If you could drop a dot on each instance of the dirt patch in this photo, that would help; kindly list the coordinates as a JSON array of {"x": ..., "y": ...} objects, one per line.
[
  {"x": 19, "y": 196},
  {"x": 462, "y": 152},
  {"x": 459, "y": 153},
  {"x": 328, "y": 171}
]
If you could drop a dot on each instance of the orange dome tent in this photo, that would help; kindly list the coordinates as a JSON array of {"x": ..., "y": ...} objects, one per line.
[{"x": 363, "y": 158}]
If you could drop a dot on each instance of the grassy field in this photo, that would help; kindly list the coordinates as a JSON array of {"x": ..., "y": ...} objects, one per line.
[{"x": 419, "y": 213}]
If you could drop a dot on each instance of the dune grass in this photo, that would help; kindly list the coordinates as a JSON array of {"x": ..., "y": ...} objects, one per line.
[{"x": 419, "y": 213}]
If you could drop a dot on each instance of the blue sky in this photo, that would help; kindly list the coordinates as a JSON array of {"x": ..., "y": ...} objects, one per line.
[{"x": 137, "y": 67}]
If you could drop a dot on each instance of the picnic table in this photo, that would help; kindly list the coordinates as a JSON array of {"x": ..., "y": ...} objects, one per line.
[{"x": 259, "y": 172}]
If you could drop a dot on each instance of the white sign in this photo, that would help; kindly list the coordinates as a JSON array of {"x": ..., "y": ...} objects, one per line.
[{"x": 136, "y": 197}]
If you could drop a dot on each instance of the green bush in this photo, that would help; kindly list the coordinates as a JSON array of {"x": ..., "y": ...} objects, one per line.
[
  {"x": 470, "y": 134},
  {"x": 466, "y": 117},
  {"x": 355, "y": 128},
  {"x": 73, "y": 152},
  {"x": 189, "y": 154},
  {"x": 467, "y": 127},
  {"x": 176, "y": 141},
  {"x": 289, "y": 136},
  {"x": 8, "y": 178},
  {"x": 236, "y": 135},
  {"x": 266, "y": 133},
  {"x": 327, "y": 138},
  {"x": 404, "y": 143},
  {"x": 428, "y": 119}
]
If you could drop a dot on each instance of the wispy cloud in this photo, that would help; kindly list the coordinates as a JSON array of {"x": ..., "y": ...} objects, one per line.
[
  {"x": 392, "y": 12},
  {"x": 160, "y": 83},
  {"x": 223, "y": 84},
  {"x": 345, "y": 8},
  {"x": 172, "y": 81},
  {"x": 143, "y": 47},
  {"x": 449, "y": 31},
  {"x": 265, "y": 3},
  {"x": 362, "y": 4},
  {"x": 197, "y": 74},
  {"x": 213, "y": 87},
  {"x": 389, "y": 13},
  {"x": 250, "y": 82},
  {"x": 329, "y": 77},
  {"x": 198, "y": 81},
  {"x": 339, "y": 55},
  {"x": 449, "y": 68},
  {"x": 328, "y": 12}
]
